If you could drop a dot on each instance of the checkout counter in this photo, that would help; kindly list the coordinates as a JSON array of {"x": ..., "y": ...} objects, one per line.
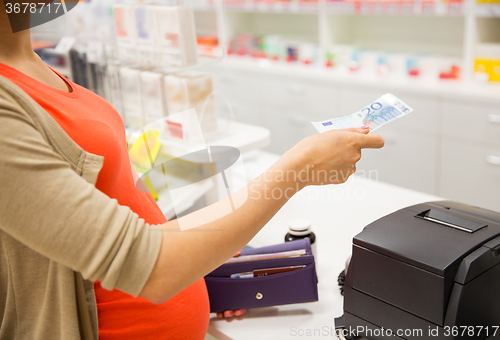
[{"x": 337, "y": 214}]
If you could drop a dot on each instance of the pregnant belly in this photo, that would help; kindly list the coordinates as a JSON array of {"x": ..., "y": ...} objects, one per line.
[{"x": 124, "y": 317}]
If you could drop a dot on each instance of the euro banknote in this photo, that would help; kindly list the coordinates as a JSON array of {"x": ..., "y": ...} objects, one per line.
[{"x": 382, "y": 111}]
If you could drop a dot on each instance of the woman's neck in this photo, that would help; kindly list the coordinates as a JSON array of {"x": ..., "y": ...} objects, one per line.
[
  {"x": 16, "y": 51},
  {"x": 14, "y": 47}
]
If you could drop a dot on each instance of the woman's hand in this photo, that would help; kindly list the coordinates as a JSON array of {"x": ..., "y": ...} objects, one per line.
[
  {"x": 329, "y": 157},
  {"x": 231, "y": 313}
]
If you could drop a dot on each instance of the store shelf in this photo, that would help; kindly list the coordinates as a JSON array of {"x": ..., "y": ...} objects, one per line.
[
  {"x": 264, "y": 7},
  {"x": 244, "y": 137},
  {"x": 396, "y": 8},
  {"x": 486, "y": 92},
  {"x": 347, "y": 8},
  {"x": 483, "y": 10},
  {"x": 425, "y": 8}
]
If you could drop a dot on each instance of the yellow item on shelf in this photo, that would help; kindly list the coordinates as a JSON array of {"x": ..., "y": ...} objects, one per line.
[
  {"x": 147, "y": 182},
  {"x": 489, "y": 66},
  {"x": 145, "y": 150}
]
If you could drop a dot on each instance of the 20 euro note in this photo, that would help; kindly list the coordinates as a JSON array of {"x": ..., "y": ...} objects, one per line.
[{"x": 382, "y": 111}]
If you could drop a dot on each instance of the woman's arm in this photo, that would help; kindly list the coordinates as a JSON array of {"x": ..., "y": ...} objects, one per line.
[
  {"x": 46, "y": 206},
  {"x": 186, "y": 256}
]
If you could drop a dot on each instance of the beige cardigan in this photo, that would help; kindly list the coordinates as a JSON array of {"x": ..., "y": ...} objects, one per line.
[{"x": 58, "y": 233}]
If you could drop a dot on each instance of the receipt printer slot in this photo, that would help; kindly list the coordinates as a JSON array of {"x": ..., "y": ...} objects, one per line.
[{"x": 450, "y": 220}]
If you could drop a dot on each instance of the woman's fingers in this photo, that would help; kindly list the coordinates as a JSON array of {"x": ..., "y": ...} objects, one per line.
[
  {"x": 371, "y": 141},
  {"x": 364, "y": 129},
  {"x": 362, "y": 137},
  {"x": 230, "y": 313},
  {"x": 240, "y": 312}
]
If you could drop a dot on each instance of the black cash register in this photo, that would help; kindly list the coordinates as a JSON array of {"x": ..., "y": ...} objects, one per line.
[{"x": 429, "y": 271}]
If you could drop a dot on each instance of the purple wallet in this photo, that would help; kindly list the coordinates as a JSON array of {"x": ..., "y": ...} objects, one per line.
[{"x": 298, "y": 286}]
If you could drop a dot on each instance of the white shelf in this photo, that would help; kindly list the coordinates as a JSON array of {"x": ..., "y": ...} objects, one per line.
[
  {"x": 410, "y": 9},
  {"x": 351, "y": 8},
  {"x": 265, "y": 7},
  {"x": 447, "y": 28},
  {"x": 483, "y": 10},
  {"x": 489, "y": 92},
  {"x": 439, "y": 9},
  {"x": 244, "y": 137}
]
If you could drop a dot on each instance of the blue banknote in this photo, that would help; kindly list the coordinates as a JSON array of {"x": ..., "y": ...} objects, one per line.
[{"x": 382, "y": 111}]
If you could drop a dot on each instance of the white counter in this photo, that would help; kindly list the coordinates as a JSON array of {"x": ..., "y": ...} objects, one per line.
[{"x": 337, "y": 214}]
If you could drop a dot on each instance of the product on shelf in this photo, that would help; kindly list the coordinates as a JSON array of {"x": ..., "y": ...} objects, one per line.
[
  {"x": 347, "y": 58},
  {"x": 273, "y": 5},
  {"x": 449, "y": 68},
  {"x": 338, "y": 55},
  {"x": 145, "y": 20},
  {"x": 413, "y": 67},
  {"x": 292, "y": 53},
  {"x": 366, "y": 61},
  {"x": 131, "y": 96},
  {"x": 142, "y": 156},
  {"x": 153, "y": 98},
  {"x": 273, "y": 47},
  {"x": 115, "y": 91},
  {"x": 452, "y": 73},
  {"x": 355, "y": 62},
  {"x": 487, "y": 61},
  {"x": 308, "y": 53},
  {"x": 207, "y": 45},
  {"x": 78, "y": 59},
  {"x": 125, "y": 28},
  {"x": 395, "y": 7},
  {"x": 389, "y": 64},
  {"x": 176, "y": 35},
  {"x": 39, "y": 46},
  {"x": 155, "y": 34},
  {"x": 58, "y": 61},
  {"x": 188, "y": 90},
  {"x": 383, "y": 67},
  {"x": 488, "y": 2}
]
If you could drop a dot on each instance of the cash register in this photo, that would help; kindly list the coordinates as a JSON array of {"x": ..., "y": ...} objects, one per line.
[{"x": 429, "y": 271}]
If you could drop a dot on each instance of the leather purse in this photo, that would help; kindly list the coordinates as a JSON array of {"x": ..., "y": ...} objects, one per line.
[{"x": 297, "y": 286}]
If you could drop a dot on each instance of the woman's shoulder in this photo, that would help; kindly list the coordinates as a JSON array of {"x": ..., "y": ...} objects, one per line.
[{"x": 12, "y": 99}]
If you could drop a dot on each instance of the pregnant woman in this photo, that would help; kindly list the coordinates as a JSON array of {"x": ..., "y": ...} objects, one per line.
[{"x": 83, "y": 253}]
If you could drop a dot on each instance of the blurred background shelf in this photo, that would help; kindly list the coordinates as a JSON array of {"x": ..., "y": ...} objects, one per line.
[
  {"x": 486, "y": 10},
  {"x": 358, "y": 8},
  {"x": 292, "y": 62},
  {"x": 442, "y": 148}
]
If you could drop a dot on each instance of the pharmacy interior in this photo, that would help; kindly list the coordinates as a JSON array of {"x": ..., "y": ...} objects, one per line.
[{"x": 252, "y": 78}]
